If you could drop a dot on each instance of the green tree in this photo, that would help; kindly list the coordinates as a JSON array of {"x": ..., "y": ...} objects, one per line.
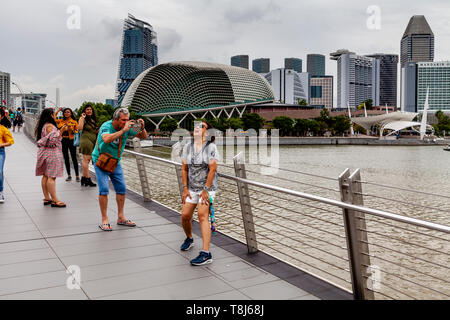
[
  {"x": 314, "y": 126},
  {"x": 342, "y": 125},
  {"x": 103, "y": 112},
  {"x": 324, "y": 114},
  {"x": 252, "y": 121},
  {"x": 234, "y": 123},
  {"x": 302, "y": 102},
  {"x": 301, "y": 126},
  {"x": 284, "y": 124},
  {"x": 169, "y": 125}
]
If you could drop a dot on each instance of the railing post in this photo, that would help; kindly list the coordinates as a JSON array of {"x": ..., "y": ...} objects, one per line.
[
  {"x": 180, "y": 181},
  {"x": 355, "y": 226},
  {"x": 141, "y": 169},
  {"x": 246, "y": 209}
]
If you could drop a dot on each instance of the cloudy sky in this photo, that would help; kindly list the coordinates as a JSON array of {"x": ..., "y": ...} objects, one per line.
[{"x": 41, "y": 53}]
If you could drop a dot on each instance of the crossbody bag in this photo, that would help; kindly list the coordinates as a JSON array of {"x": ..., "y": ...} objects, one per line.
[{"x": 106, "y": 162}]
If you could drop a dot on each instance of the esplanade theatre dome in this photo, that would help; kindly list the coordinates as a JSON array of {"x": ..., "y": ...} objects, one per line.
[{"x": 182, "y": 86}]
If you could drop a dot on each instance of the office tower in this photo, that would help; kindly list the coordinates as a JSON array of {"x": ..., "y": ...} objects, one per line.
[
  {"x": 358, "y": 79},
  {"x": 5, "y": 89},
  {"x": 388, "y": 78},
  {"x": 315, "y": 65},
  {"x": 240, "y": 61},
  {"x": 294, "y": 64},
  {"x": 409, "y": 86},
  {"x": 321, "y": 94},
  {"x": 289, "y": 86},
  {"x": 112, "y": 103},
  {"x": 417, "y": 44},
  {"x": 139, "y": 52},
  {"x": 436, "y": 77},
  {"x": 261, "y": 65}
]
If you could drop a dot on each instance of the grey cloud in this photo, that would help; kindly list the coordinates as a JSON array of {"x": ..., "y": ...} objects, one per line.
[
  {"x": 253, "y": 13},
  {"x": 168, "y": 39}
]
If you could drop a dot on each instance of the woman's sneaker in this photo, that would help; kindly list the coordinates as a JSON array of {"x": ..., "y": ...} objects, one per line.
[
  {"x": 202, "y": 258},
  {"x": 187, "y": 244}
]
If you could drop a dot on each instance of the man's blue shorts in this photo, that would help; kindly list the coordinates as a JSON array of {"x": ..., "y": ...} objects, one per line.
[{"x": 117, "y": 179}]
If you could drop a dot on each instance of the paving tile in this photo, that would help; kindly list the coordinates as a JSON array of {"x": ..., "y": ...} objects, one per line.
[
  {"x": 26, "y": 255},
  {"x": 20, "y": 236},
  {"x": 276, "y": 290},
  {"x": 116, "y": 255},
  {"x": 94, "y": 237},
  {"x": 229, "y": 295},
  {"x": 32, "y": 282},
  {"x": 165, "y": 229},
  {"x": 22, "y": 245},
  {"x": 133, "y": 282},
  {"x": 29, "y": 268},
  {"x": 56, "y": 293},
  {"x": 102, "y": 246},
  {"x": 132, "y": 266},
  {"x": 180, "y": 290}
]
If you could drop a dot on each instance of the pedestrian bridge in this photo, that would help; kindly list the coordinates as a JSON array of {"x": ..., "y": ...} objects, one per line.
[
  {"x": 281, "y": 237},
  {"x": 38, "y": 244}
]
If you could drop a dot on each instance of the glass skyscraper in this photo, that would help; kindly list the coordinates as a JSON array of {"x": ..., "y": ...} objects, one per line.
[
  {"x": 417, "y": 44},
  {"x": 261, "y": 65},
  {"x": 388, "y": 78},
  {"x": 293, "y": 64},
  {"x": 240, "y": 61},
  {"x": 139, "y": 52},
  {"x": 315, "y": 65}
]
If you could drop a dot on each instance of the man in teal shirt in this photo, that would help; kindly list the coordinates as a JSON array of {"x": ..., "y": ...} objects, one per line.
[{"x": 108, "y": 141}]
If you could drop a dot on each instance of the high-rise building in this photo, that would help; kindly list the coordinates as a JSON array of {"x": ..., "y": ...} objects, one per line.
[
  {"x": 112, "y": 103},
  {"x": 138, "y": 53},
  {"x": 321, "y": 94},
  {"x": 240, "y": 61},
  {"x": 293, "y": 64},
  {"x": 436, "y": 77},
  {"x": 388, "y": 78},
  {"x": 315, "y": 65},
  {"x": 358, "y": 79},
  {"x": 30, "y": 102},
  {"x": 5, "y": 88},
  {"x": 409, "y": 87},
  {"x": 417, "y": 44},
  {"x": 289, "y": 86},
  {"x": 261, "y": 65}
]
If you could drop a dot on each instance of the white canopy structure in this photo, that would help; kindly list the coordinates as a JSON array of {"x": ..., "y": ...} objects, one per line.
[{"x": 400, "y": 125}]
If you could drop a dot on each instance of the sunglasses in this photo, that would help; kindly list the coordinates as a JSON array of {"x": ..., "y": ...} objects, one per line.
[{"x": 201, "y": 126}]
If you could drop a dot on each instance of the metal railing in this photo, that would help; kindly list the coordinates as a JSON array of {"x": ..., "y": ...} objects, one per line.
[
  {"x": 372, "y": 253},
  {"x": 339, "y": 241}
]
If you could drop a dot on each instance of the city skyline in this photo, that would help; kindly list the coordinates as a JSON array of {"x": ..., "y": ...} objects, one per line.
[{"x": 83, "y": 62}]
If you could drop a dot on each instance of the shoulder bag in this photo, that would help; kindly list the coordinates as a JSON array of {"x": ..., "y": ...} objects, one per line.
[{"x": 106, "y": 162}]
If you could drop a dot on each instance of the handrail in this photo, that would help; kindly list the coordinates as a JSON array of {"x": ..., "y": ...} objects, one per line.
[{"x": 343, "y": 205}]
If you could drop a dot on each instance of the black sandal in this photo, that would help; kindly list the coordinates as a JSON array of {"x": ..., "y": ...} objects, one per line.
[
  {"x": 47, "y": 202},
  {"x": 105, "y": 224},
  {"x": 58, "y": 204}
]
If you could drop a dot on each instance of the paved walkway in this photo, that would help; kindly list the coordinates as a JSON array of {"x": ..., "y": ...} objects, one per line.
[{"x": 38, "y": 244}]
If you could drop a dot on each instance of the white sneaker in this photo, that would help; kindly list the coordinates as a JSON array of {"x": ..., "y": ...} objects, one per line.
[{"x": 2, "y": 198}]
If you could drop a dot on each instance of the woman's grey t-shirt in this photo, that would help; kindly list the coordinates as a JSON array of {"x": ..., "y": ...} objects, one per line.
[{"x": 198, "y": 164}]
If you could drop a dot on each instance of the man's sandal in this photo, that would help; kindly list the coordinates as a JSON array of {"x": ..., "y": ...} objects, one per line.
[
  {"x": 127, "y": 223},
  {"x": 102, "y": 226}
]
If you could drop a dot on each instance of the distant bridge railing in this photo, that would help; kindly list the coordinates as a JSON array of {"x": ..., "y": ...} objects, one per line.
[{"x": 371, "y": 253}]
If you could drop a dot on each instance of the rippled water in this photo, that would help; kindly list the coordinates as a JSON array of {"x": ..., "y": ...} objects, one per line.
[{"x": 412, "y": 261}]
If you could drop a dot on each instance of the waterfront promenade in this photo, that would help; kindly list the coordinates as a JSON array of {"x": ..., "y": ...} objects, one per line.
[{"x": 38, "y": 243}]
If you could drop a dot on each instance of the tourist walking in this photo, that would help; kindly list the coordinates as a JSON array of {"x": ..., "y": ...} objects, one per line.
[
  {"x": 6, "y": 140},
  {"x": 68, "y": 126},
  {"x": 18, "y": 120},
  {"x": 106, "y": 157},
  {"x": 50, "y": 161},
  {"x": 88, "y": 124},
  {"x": 199, "y": 166}
]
